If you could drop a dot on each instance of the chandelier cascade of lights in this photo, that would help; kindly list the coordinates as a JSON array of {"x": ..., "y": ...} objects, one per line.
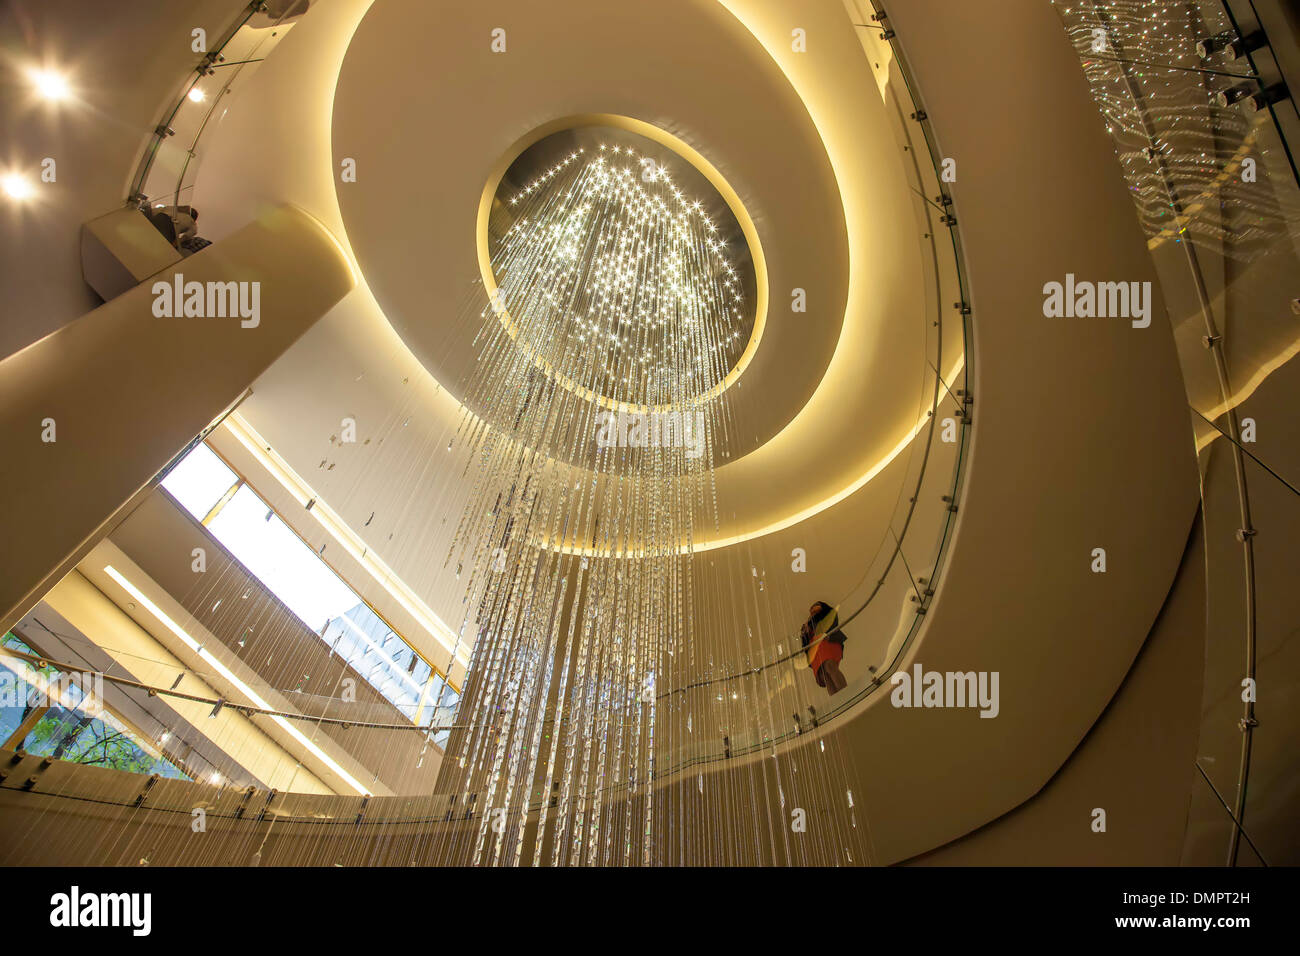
[{"x": 599, "y": 386}]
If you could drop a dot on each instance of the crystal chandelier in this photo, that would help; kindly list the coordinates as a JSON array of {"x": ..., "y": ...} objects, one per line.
[{"x": 599, "y": 407}]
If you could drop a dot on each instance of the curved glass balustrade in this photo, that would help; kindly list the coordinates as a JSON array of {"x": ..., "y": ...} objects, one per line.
[
  {"x": 750, "y": 706},
  {"x": 171, "y": 161},
  {"x": 1190, "y": 94}
]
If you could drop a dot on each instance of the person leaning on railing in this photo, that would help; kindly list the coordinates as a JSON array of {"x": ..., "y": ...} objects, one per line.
[
  {"x": 179, "y": 225},
  {"x": 823, "y": 642}
]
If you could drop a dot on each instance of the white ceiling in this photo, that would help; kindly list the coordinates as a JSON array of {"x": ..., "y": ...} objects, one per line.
[{"x": 805, "y": 142}]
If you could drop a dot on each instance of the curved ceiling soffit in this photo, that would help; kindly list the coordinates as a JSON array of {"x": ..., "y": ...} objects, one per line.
[{"x": 762, "y": 154}]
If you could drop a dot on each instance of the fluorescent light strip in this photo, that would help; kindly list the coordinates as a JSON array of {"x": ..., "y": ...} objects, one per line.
[{"x": 229, "y": 675}]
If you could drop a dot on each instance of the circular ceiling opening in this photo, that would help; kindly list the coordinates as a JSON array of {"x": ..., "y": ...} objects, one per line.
[{"x": 620, "y": 268}]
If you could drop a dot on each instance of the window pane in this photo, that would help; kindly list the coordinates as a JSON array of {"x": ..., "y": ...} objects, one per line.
[
  {"x": 267, "y": 547},
  {"x": 261, "y": 541},
  {"x": 199, "y": 480},
  {"x": 65, "y": 731}
]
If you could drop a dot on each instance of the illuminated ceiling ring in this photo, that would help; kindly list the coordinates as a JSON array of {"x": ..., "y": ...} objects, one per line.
[{"x": 685, "y": 152}]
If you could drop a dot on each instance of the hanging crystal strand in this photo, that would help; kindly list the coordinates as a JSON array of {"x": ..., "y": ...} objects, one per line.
[
  {"x": 614, "y": 696},
  {"x": 480, "y": 694},
  {"x": 513, "y": 718},
  {"x": 577, "y": 716},
  {"x": 591, "y": 259},
  {"x": 555, "y": 601},
  {"x": 575, "y": 663},
  {"x": 515, "y": 783},
  {"x": 627, "y": 759},
  {"x": 507, "y": 709},
  {"x": 586, "y": 694},
  {"x": 536, "y": 601},
  {"x": 570, "y": 653},
  {"x": 606, "y": 588},
  {"x": 609, "y": 676},
  {"x": 646, "y": 704},
  {"x": 593, "y": 699}
]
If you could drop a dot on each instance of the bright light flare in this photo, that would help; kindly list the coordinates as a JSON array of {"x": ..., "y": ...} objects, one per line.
[
  {"x": 17, "y": 186},
  {"x": 50, "y": 85}
]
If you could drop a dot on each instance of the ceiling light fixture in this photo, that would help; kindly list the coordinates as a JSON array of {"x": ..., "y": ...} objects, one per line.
[
  {"x": 17, "y": 186},
  {"x": 50, "y": 85}
]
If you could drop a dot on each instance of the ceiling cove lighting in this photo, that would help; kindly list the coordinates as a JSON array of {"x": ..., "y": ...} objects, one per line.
[
  {"x": 790, "y": 520},
  {"x": 229, "y": 676}
]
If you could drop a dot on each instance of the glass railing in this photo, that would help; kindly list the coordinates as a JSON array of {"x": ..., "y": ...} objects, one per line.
[
  {"x": 1204, "y": 143},
  {"x": 62, "y": 714},
  {"x": 751, "y": 705},
  {"x": 170, "y": 166},
  {"x": 220, "y": 681},
  {"x": 196, "y": 707},
  {"x": 1204, "y": 146},
  {"x": 1203, "y": 131}
]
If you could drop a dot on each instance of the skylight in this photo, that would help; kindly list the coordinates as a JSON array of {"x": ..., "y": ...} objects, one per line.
[{"x": 269, "y": 549}]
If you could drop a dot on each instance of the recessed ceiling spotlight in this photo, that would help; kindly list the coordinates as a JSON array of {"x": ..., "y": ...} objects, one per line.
[
  {"x": 196, "y": 95},
  {"x": 17, "y": 186},
  {"x": 51, "y": 85}
]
